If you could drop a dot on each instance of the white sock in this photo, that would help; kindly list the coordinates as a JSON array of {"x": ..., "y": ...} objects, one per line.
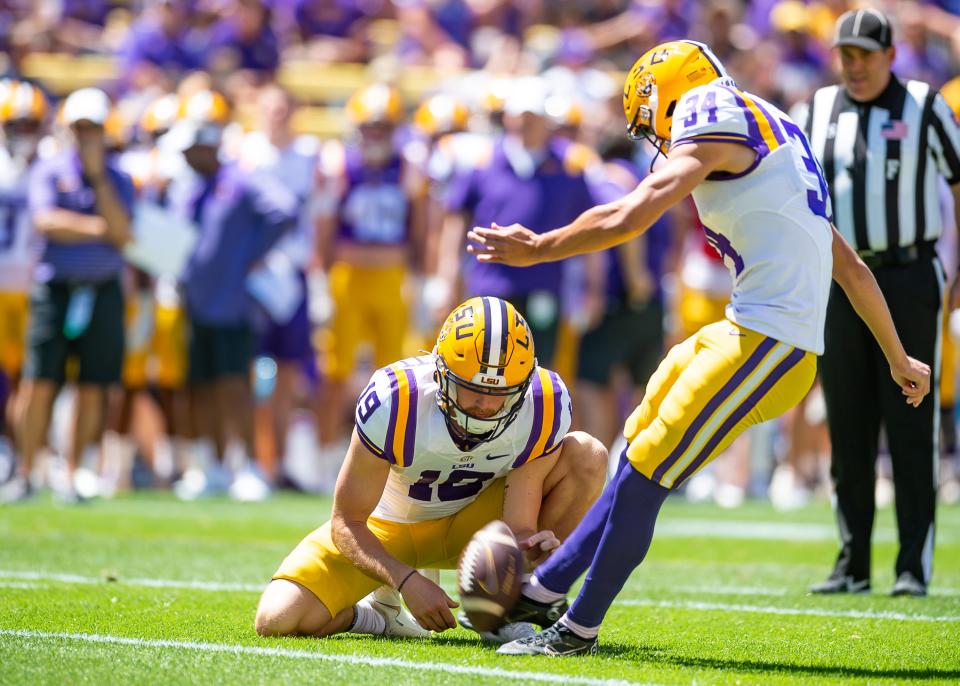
[
  {"x": 164, "y": 462},
  {"x": 534, "y": 590},
  {"x": 367, "y": 620},
  {"x": 579, "y": 629},
  {"x": 203, "y": 455}
]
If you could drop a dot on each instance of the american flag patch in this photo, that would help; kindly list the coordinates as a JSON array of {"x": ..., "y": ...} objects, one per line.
[{"x": 894, "y": 130}]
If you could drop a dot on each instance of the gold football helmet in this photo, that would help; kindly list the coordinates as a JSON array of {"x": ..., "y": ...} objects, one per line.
[
  {"x": 205, "y": 107},
  {"x": 658, "y": 80},
  {"x": 440, "y": 114},
  {"x": 160, "y": 115},
  {"x": 377, "y": 103},
  {"x": 486, "y": 347},
  {"x": 21, "y": 101}
]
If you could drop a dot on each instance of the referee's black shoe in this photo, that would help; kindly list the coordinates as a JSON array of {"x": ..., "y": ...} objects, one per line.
[
  {"x": 541, "y": 614},
  {"x": 841, "y": 584},
  {"x": 908, "y": 584}
]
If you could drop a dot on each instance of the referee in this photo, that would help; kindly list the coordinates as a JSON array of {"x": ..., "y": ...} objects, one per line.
[{"x": 882, "y": 144}]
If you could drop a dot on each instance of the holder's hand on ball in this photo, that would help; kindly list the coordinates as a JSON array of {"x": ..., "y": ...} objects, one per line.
[
  {"x": 428, "y": 603},
  {"x": 537, "y": 547}
]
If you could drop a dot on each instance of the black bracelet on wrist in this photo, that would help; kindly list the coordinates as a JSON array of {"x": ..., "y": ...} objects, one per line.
[{"x": 400, "y": 587}]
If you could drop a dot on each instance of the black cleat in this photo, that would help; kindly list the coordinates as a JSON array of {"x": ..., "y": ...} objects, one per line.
[
  {"x": 541, "y": 614},
  {"x": 908, "y": 584},
  {"x": 555, "y": 641},
  {"x": 841, "y": 584}
]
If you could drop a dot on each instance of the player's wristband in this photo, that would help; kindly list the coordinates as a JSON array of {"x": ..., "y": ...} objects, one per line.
[{"x": 400, "y": 587}]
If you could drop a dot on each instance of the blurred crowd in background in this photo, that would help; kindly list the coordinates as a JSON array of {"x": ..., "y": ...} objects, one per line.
[{"x": 386, "y": 128}]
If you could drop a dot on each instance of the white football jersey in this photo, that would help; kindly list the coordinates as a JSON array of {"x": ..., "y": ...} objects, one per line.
[
  {"x": 771, "y": 223},
  {"x": 398, "y": 419},
  {"x": 18, "y": 247}
]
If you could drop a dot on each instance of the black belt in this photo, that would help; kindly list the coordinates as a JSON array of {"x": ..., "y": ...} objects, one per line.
[{"x": 897, "y": 256}]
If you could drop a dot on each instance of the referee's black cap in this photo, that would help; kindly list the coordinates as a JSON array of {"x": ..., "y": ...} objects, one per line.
[{"x": 864, "y": 28}]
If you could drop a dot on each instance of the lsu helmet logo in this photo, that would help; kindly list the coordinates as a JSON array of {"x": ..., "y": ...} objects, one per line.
[{"x": 658, "y": 80}]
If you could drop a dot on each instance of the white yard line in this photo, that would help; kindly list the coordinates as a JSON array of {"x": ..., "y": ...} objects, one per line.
[
  {"x": 735, "y": 529},
  {"x": 720, "y": 590},
  {"x": 21, "y": 584},
  {"x": 809, "y": 612},
  {"x": 29, "y": 579},
  {"x": 444, "y": 667},
  {"x": 152, "y": 583}
]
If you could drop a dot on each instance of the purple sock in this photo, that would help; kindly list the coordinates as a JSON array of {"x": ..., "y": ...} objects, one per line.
[
  {"x": 572, "y": 558},
  {"x": 625, "y": 541}
]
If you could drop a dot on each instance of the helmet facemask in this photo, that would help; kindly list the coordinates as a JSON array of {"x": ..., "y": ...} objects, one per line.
[
  {"x": 468, "y": 430},
  {"x": 642, "y": 127}
]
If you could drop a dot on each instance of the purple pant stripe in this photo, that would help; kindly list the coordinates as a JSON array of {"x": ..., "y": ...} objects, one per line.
[
  {"x": 738, "y": 376},
  {"x": 745, "y": 407}
]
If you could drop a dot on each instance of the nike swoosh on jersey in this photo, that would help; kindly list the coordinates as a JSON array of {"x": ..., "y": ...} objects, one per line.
[{"x": 497, "y": 457}]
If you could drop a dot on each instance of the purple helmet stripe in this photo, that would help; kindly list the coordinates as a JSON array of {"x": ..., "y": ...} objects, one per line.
[
  {"x": 485, "y": 357},
  {"x": 504, "y": 336}
]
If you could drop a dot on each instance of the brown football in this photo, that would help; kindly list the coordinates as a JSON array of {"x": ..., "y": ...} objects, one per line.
[{"x": 490, "y": 575}]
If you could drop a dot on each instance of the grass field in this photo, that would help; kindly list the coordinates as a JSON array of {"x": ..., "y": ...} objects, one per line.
[{"x": 148, "y": 590}]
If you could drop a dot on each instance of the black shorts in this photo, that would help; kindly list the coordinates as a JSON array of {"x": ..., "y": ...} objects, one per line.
[
  {"x": 219, "y": 351},
  {"x": 631, "y": 338},
  {"x": 99, "y": 348}
]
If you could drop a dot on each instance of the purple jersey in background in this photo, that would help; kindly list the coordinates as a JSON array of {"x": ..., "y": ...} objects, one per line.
[
  {"x": 542, "y": 198},
  {"x": 374, "y": 209},
  {"x": 60, "y": 182}
]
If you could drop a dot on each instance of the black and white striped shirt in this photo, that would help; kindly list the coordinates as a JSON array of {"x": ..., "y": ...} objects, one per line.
[{"x": 882, "y": 160}]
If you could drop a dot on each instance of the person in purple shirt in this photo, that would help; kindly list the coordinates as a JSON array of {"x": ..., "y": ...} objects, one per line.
[
  {"x": 79, "y": 26},
  {"x": 434, "y": 31},
  {"x": 80, "y": 203},
  {"x": 162, "y": 39},
  {"x": 87, "y": 11},
  {"x": 918, "y": 56},
  {"x": 328, "y": 30},
  {"x": 244, "y": 39},
  {"x": 240, "y": 216},
  {"x": 530, "y": 174}
]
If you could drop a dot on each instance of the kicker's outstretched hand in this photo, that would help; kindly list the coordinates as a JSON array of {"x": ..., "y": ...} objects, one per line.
[{"x": 514, "y": 245}]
